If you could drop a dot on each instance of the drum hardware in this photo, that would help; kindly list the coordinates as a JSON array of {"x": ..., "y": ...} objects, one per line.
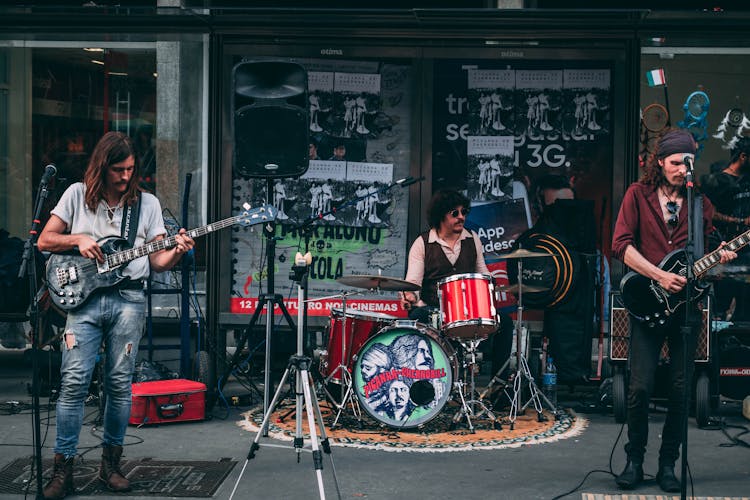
[
  {"x": 522, "y": 367},
  {"x": 343, "y": 369},
  {"x": 468, "y": 407},
  {"x": 377, "y": 282}
]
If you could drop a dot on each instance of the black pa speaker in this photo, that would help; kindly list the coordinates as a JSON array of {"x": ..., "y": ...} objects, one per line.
[{"x": 271, "y": 124}]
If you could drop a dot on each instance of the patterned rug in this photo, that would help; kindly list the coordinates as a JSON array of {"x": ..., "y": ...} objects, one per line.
[{"x": 440, "y": 434}]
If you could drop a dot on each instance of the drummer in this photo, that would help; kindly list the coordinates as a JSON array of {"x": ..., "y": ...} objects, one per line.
[{"x": 445, "y": 250}]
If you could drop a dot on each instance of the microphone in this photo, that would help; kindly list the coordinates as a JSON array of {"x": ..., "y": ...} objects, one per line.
[
  {"x": 688, "y": 161},
  {"x": 49, "y": 172},
  {"x": 413, "y": 181},
  {"x": 303, "y": 260}
]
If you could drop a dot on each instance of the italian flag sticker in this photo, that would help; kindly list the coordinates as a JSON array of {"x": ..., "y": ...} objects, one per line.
[{"x": 656, "y": 77}]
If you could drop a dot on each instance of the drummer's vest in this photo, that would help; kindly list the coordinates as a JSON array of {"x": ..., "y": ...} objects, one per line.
[{"x": 437, "y": 266}]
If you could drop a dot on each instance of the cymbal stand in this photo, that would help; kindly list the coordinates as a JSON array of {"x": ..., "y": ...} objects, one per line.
[
  {"x": 468, "y": 406},
  {"x": 522, "y": 368},
  {"x": 347, "y": 381},
  {"x": 301, "y": 366}
]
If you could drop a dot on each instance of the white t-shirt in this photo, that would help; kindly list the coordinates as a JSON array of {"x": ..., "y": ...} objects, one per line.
[{"x": 79, "y": 219}]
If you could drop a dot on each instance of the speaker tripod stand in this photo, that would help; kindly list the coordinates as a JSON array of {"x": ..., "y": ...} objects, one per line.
[{"x": 300, "y": 365}]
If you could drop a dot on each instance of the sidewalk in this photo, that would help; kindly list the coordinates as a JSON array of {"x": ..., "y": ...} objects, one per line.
[{"x": 535, "y": 471}]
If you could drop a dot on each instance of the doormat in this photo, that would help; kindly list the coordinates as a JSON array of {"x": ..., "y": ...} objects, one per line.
[
  {"x": 148, "y": 477},
  {"x": 438, "y": 435}
]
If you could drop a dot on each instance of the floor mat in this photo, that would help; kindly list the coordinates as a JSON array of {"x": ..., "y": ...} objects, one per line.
[
  {"x": 148, "y": 477},
  {"x": 436, "y": 435}
]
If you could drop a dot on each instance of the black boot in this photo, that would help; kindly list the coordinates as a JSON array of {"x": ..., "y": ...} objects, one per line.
[
  {"x": 62, "y": 479},
  {"x": 667, "y": 480},
  {"x": 631, "y": 477}
]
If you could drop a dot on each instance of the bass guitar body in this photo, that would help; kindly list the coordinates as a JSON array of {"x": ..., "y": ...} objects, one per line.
[{"x": 71, "y": 278}]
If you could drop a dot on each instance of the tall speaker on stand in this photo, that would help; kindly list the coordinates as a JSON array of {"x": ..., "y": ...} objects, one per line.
[{"x": 271, "y": 137}]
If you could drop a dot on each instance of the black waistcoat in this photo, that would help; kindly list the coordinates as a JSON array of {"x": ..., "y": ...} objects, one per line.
[{"x": 437, "y": 266}]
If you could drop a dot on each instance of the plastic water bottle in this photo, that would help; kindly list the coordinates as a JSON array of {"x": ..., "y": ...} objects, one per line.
[{"x": 549, "y": 381}]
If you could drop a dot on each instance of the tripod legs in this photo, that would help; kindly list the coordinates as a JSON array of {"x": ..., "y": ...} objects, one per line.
[{"x": 301, "y": 366}]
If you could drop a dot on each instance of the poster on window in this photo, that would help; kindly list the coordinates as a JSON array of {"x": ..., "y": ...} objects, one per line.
[
  {"x": 556, "y": 115},
  {"x": 343, "y": 209}
]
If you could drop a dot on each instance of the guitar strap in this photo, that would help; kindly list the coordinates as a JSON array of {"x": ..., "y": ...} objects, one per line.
[{"x": 130, "y": 218}]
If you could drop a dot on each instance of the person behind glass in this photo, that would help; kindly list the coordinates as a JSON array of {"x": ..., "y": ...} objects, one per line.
[
  {"x": 445, "y": 250},
  {"x": 729, "y": 191},
  {"x": 651, "y": 223},
  {"x": 87, "y": 212},
  {"x": 339, "y": 152},
  {"x": 313, "y": 151}
]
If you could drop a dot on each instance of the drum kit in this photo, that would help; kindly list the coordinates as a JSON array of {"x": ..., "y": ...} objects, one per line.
[{"x": 403, "y": 373}]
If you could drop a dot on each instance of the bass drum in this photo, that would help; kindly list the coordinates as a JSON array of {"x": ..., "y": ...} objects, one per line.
[
  {"x": 556, "y": 273},
  {"x": 403, "y": 376}
]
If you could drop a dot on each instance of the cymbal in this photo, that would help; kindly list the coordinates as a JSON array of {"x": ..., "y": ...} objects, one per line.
[
  {"x": 525, "y": 289},
  {"x": 381, "y": 282},
  {"x": 522, "y": 253}
]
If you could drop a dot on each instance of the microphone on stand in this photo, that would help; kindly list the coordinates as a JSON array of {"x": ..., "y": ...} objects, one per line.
[
  {"x": 688, "y": 161},
  {"x": 408, "y": 181},
  {"x": 49, "y": 172}
]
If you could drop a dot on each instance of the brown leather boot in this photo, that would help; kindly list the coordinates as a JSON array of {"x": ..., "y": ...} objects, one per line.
[
  {"x": 109, "y": 472},
  {"x": 62, "y": 478}
]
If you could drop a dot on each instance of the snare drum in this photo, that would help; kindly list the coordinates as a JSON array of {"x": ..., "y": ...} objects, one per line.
[
  {"x": 467, "y": 306},
  {"x": 403, "y": 375},
  {"x": 346, "y": 336}
]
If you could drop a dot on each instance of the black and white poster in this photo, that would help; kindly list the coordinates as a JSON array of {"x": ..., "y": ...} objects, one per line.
[
  {"x": 360, "y": 132},
  {"x": 556, "y": 114}
]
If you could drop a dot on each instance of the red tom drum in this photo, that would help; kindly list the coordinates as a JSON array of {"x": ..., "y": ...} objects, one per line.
[{"x": 467, "y": 306}]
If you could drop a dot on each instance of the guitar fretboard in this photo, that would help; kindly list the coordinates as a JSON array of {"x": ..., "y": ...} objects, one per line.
[
  {"x": 710, "y": 260},
  {"x": 254, "y": 216}
]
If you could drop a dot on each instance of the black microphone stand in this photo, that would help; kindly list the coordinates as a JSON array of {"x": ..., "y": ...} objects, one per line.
[
  {"x": 267, "y": 301},
  {"x": 687, "y": 329},
  {"x": 28, "y": 268}
]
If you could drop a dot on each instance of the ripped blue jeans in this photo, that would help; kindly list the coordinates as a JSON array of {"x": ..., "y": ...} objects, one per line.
[{"x": 117, "y": 319}]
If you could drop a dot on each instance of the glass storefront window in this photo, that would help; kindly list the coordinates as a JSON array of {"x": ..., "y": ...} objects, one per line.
[{"x": 57, "y": 98}]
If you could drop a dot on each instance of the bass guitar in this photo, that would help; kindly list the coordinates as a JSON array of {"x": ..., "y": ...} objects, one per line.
[
  {"x": 72, "y": 278},
  {"x": 647, "y": 301}
]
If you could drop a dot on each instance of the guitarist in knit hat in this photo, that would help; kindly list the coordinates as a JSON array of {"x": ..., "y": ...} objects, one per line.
[{"x": 652, "y": 223}]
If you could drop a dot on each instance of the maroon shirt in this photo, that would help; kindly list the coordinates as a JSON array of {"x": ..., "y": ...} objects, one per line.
[{"x": 640, "y": 223}]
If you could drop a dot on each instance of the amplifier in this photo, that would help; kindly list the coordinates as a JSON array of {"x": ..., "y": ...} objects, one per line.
[{"x": 619, "y": 332}]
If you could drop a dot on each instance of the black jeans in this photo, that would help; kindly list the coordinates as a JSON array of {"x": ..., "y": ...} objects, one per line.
[{"x": 645, "y": 346}]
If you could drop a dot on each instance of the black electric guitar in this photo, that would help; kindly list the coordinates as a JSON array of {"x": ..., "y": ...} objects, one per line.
[
  {"x": 72, "y": 278},
  {"x": 647, "y": 301}
]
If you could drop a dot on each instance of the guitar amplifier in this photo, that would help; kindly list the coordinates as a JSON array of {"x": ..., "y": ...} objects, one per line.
[{"x": 619, "y": 332}]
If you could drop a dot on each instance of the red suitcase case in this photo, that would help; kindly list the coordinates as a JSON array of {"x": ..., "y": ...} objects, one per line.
[{"x": 161, "y": 401}]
